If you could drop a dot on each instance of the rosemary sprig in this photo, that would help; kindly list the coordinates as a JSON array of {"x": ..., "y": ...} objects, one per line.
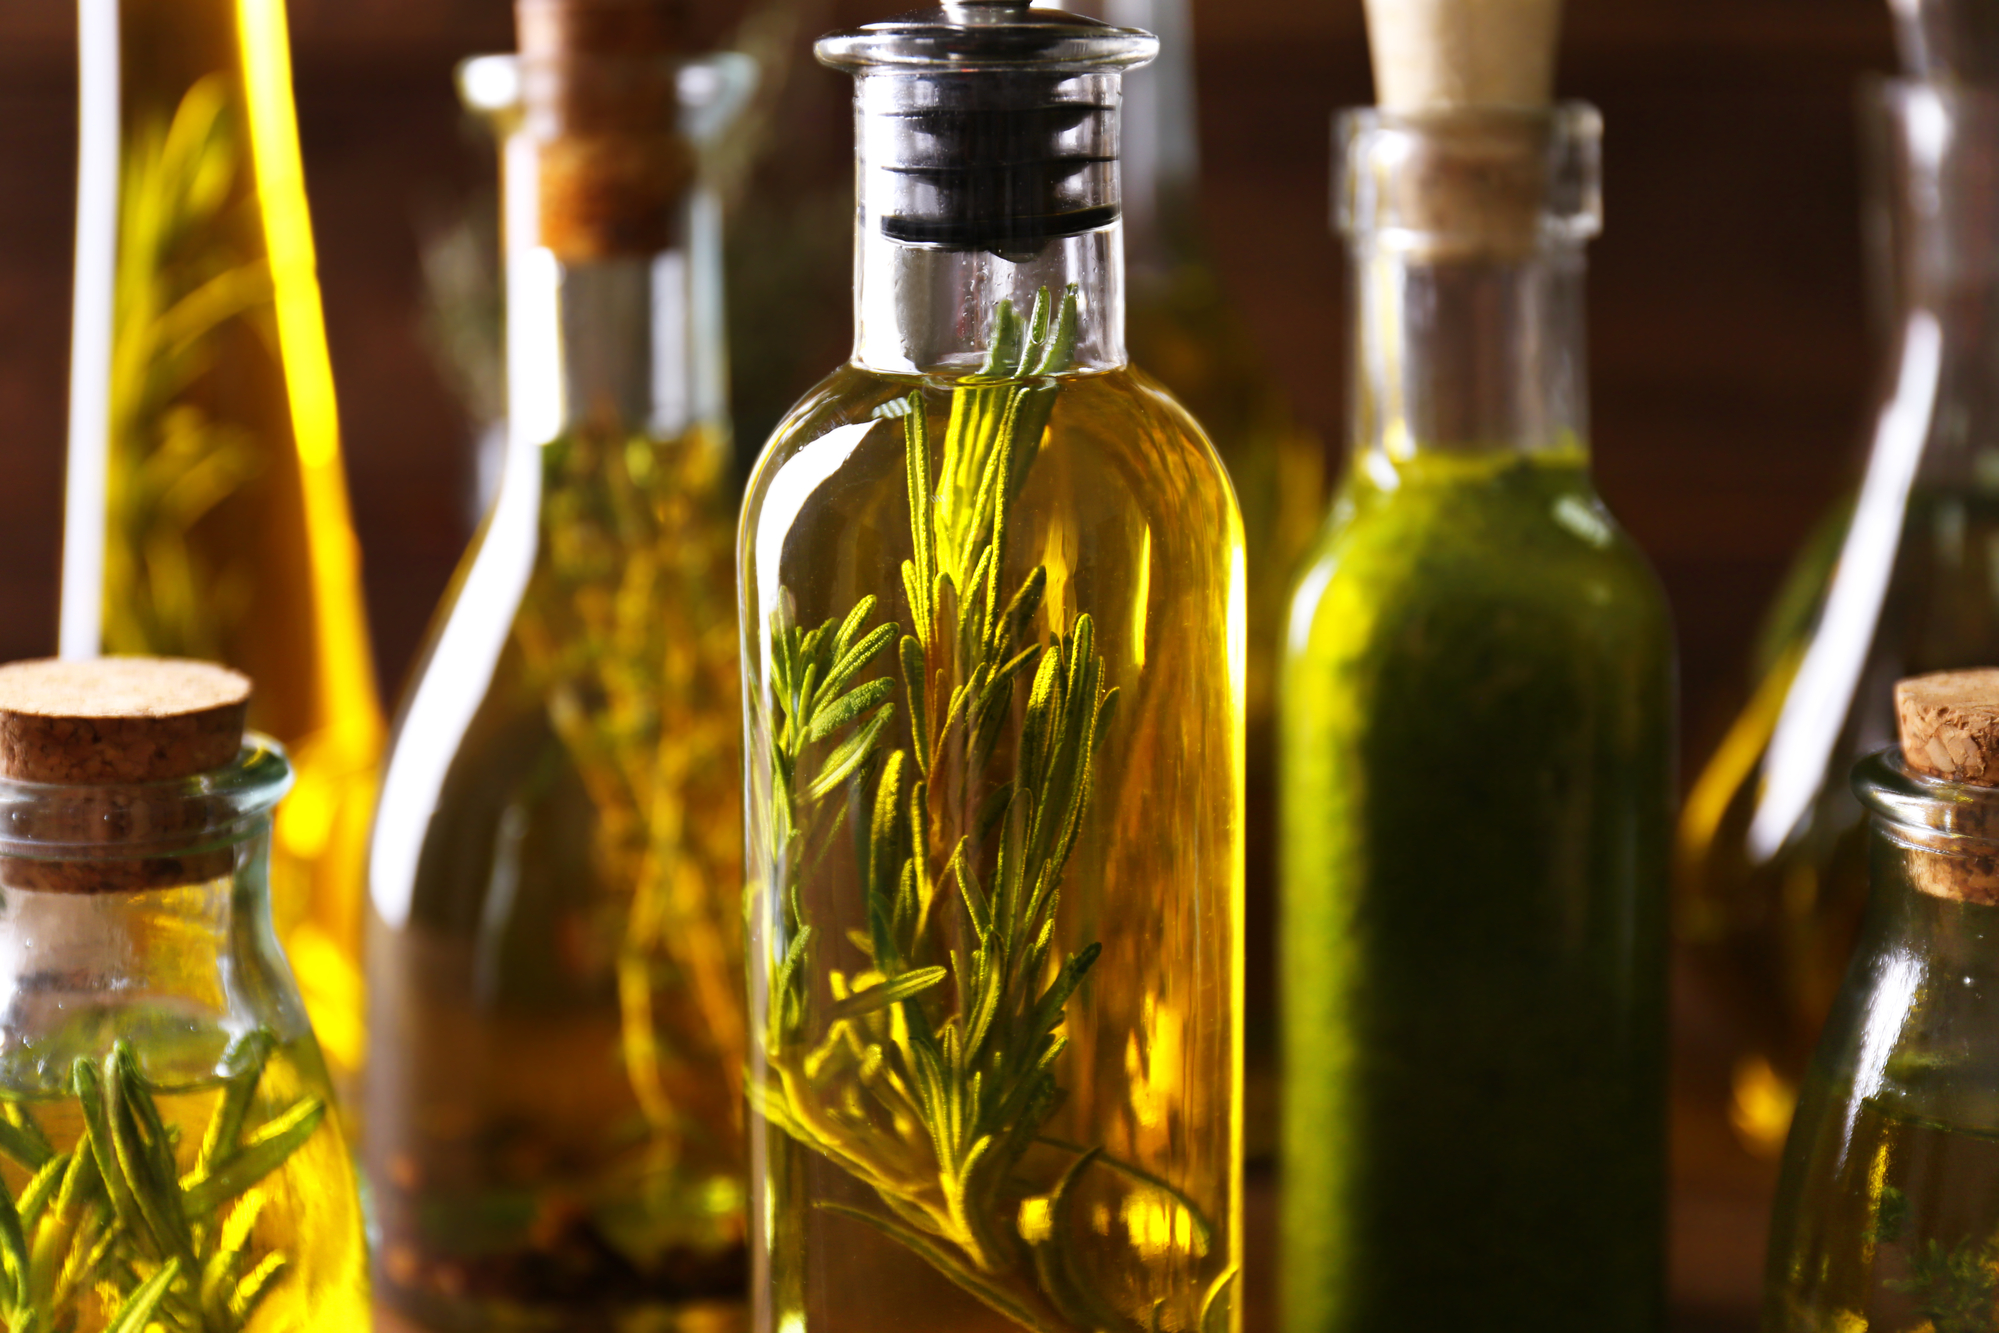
[
  {"x": 182, "y": 282},
  {"x": 628, "y": 632},
  {"x": 931, "y": 1073},
  {"x": 112, "y": 1219}
]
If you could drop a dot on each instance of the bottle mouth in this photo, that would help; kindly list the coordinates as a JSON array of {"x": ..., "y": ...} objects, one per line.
[
  {"x": 1939, "y": 816},
  {"x": 124, "y": 825},
  {"x": 1468, "y": 182}
]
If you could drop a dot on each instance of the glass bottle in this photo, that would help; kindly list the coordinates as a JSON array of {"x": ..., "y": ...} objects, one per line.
[
  {"x": 206, "y": 513},
  {"x": 1887, "y": 1215},
  {"x": 993, "y": 593},
  {"x": 555, "y": 1099},
  {"x": 1770, "y": 863},
  {"x": 169, "y": 1158},
  {"x": 1183, "y": 330},
  {"x": 1477, "y": 749}
]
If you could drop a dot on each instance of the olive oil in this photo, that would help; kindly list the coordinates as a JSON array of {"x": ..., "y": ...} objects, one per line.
[
  {"x": 207, "y": 507},
  {"x": 1126, "y": 1178},
  {"x": 265, "y": 1182}
]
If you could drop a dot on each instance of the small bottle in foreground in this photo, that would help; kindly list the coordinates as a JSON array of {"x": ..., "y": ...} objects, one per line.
[
  {"x": 1888, "y": 1209},
  {"x": 1477, "y": 714},
  {"x": 170, "y": 1157},
  {"x": 993, "y": 589}
]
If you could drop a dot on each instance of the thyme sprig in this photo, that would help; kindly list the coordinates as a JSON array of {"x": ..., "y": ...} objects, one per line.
[
  {"x": 932, "y": 1072},
  {"x": 112, "y": 1218}
]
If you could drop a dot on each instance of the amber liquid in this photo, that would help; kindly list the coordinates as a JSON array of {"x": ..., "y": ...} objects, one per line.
[
  {"x": 555, "y": 1096},
  {"x": 227, "y": 532},
  {"x": 1896, "y": 1231},
  {"x": 1126, "y": 509},
  {"x": 304, "y": 1213}
]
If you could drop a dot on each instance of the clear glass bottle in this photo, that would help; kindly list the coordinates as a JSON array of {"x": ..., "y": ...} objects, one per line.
[
  {"x": 1477, "y": 747},
  {"x": 1887, "y": 1213},
  {"x": 555, "y": 1097},
  {"x": 1184, "y": 331},
  {"x": 207, "y": 510},
  {"x": 993, "y": 601},
  {"x": 1770, "y": 865},
  {"x": 169, "y": 1159}
]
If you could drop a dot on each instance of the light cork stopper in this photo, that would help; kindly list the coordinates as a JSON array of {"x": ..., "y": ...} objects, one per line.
[
  {"x": 1443, "y": 55},
  {"x": 118, "y": 720},
  {"x": 113, "y": 724},
  {"x": 1949, "y": 724}
]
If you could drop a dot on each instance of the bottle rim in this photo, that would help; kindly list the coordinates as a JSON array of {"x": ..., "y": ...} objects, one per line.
[
  {"x": 42, "y": 821},
  {"x": 1945, "y": 816}
]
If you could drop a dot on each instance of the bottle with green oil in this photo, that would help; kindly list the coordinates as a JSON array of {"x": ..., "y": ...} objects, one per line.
[
  {"x": 1887, "y": 1214},
  {"x": 1477, "y": 715},
  {"x": 993, "y": 591}
]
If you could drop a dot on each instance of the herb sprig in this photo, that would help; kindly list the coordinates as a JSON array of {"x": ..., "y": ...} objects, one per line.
[
  {"x": 112, "y": 1217},
  {"x": 933, "y": 1071}
]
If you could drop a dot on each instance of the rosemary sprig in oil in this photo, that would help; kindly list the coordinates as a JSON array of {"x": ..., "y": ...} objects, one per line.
[
  {"x": 933, "y": 1071},
  {"x": 113, "y": 1221}
]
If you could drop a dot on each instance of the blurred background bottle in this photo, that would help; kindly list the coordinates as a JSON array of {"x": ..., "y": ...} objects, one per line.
[
  {"x": 554, "y": 1105},
  {"x": 206, "y": 510},
  {"x": 1769, "y": 860},
  {"x": 1182, "y": 330}
]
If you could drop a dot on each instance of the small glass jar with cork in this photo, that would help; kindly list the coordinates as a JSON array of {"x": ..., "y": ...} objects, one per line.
[
  {"x": 1887, "y": 1213},
  {"x": 169, "y": 1155}
]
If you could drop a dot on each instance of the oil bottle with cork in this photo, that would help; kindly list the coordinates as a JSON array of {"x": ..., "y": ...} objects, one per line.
[
  {"x": 554, "y": 1107},
  {"x": 206, "y": 511},
  {"x": 993, "y": 592},
  {"x": 1885, "y": 1214},
  {"x": 170, "y": 1156},
  {"x": 1477, "y": 713},
  {"x": 1771, "y": 858}
]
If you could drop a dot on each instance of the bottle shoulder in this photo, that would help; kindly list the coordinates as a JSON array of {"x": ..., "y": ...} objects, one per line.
[
  {"x": 1520, "y": 540},
  {"x": 1119, "y": 426}
]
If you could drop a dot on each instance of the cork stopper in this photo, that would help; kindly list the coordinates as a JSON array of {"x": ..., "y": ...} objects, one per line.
[
  {"x": 1949, "y": 724},
  {"x": 600, "y": 91},
  {"x": 117, "y": 720},
  {"x": 116, "y": 723},
  {"x": 1444, "y": 55}
]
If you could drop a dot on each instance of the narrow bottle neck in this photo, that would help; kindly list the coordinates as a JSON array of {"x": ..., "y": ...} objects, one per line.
[
  {"x": 928, "y": 311},
  {"x": 613, "y": 242},
  {"x": 611, "y": 343},
  {"x": 978, "y": 188},
  {"x": 1466, "y": 230},
  {"x": 1483, "y": 355}
]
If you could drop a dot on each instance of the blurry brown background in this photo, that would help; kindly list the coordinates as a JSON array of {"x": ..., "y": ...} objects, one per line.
[{"x": 1732, "y": 361}]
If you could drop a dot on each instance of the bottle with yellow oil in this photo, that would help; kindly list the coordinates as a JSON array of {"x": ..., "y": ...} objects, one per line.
[
  {"x": 170, "y": 1154},
  {"x": 554, "y": 1101},
  {"x": 207, "y": 511},
  {"x": 993, "y": 606}
]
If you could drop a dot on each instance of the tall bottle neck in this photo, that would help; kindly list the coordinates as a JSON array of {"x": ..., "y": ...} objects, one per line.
[
  {"x": 613, "y": 251},
  {"x": 967, "y": 200},
  {"x": 1466, "y": 233}
]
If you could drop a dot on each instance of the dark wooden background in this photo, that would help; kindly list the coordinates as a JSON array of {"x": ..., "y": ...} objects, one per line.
[{"x": 1733, "y": 365}]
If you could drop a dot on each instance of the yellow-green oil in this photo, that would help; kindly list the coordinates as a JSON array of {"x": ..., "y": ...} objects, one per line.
[
  {"x": 1126, "y": 510},
  {"x": 1477, "y": 740}
]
